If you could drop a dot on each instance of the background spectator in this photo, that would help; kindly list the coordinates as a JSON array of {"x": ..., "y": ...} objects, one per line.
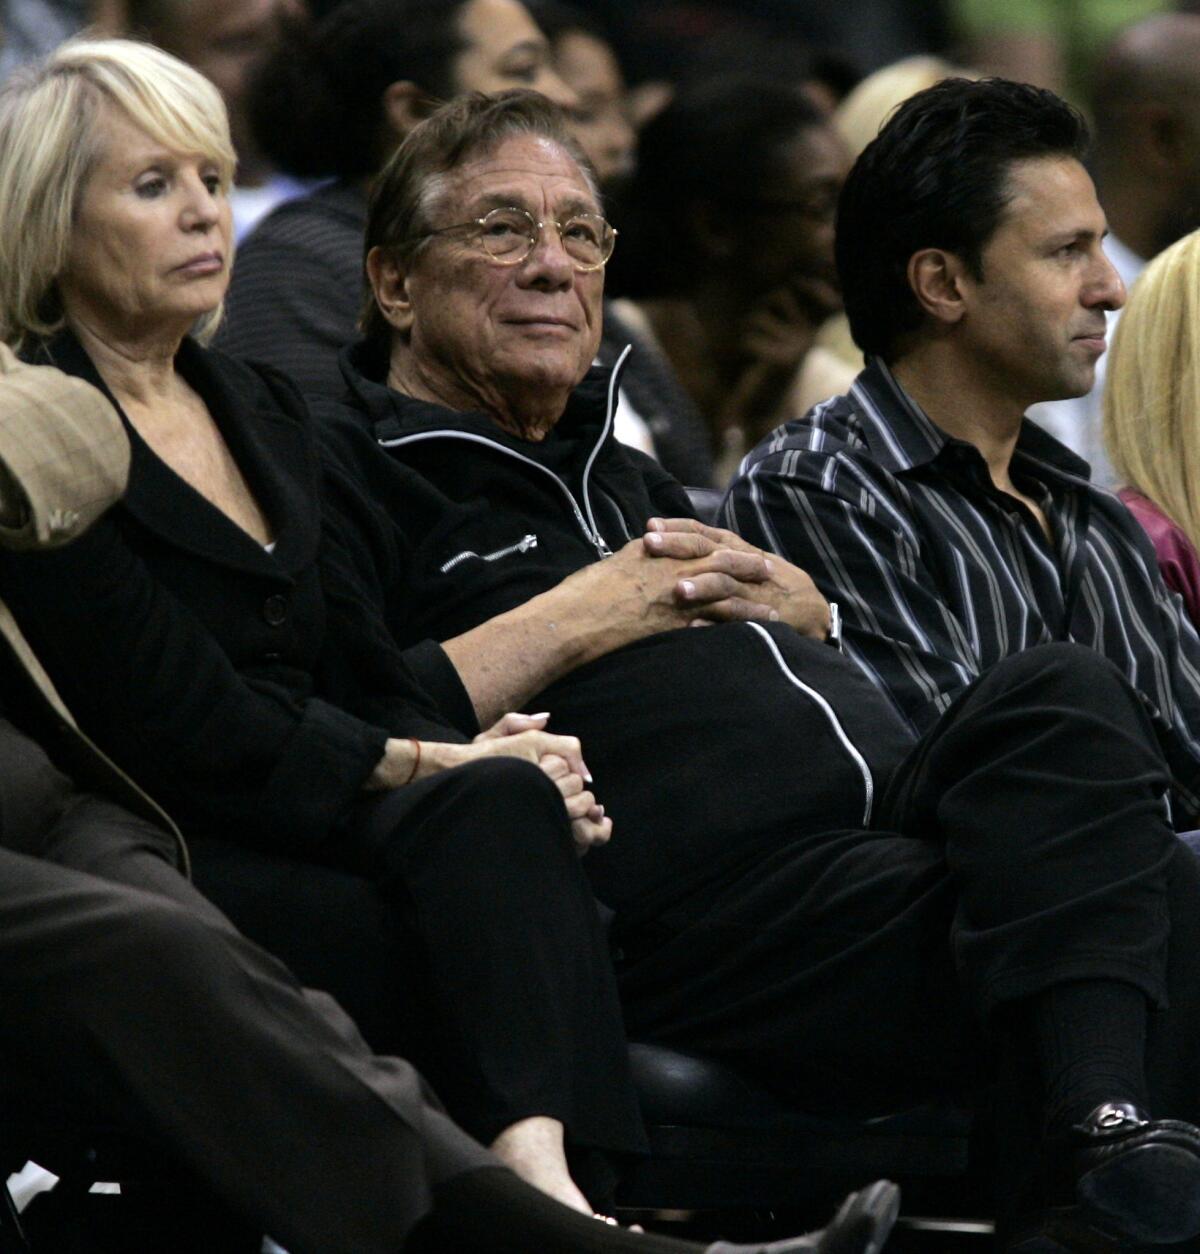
[
  {"x": 1052, "y": 43},
  {"x": 653, "y": 414},
  {"x": 1151, "y": 412},
  {"x": 1147, "y": 167},
  {"x": 728, "y": 254},
  {"x": 227, "y": 41},
  {"x": 584, "y": 59},
  {"x": 857, "y": 120}
]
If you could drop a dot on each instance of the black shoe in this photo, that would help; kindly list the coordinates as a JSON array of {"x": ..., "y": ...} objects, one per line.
[
  {"x": 1122, "y": 1180},
  {"x": 861, "y": 1226}
]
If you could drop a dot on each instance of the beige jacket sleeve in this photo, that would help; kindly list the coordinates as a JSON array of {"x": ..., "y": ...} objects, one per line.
[{"x": 64, "y": 455}]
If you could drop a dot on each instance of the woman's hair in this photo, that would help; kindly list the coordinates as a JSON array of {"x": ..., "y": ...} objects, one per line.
[
  {"x": 469, "y": 126},
  {"x": 861, "y": 115},
  {"x": 316, "y": 106},
  {"x": 50, "y": 140},
  {"x": 1152, "y": 394}
]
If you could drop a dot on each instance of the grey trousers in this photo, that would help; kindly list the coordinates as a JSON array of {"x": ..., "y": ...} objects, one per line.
[{"x": 130, "y": 994}]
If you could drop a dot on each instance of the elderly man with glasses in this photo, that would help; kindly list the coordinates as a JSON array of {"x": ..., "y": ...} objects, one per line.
[{"x": 799, "y": 886}]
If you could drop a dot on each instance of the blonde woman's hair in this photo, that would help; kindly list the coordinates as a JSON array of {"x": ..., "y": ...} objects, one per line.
[
  {"x": 50, "y": 141},
  {"x": 858, "y": 118},
  {"x": 1152, "y": 393}
]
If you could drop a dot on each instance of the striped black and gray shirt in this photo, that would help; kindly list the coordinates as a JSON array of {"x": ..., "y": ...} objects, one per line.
[{"x": 939, "y": 574}]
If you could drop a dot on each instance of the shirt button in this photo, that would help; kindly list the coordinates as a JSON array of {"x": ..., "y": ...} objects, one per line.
[{"x": 275, "y": 610}]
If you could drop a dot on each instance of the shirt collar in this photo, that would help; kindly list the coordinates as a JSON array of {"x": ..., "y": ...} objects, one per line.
[
  {"x": 896, "y": 429},
  {"x": 902, "y": 437}
]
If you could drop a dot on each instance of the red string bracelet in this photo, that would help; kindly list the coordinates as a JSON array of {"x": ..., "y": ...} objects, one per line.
[{"x": 416, "y": 744}]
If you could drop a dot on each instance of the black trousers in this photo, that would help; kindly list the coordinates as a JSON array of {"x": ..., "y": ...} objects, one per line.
[
  {"x": 1023, "y": 842},
  {"x": 500, "y": 969},
  {"x": 128, "y": 994}
]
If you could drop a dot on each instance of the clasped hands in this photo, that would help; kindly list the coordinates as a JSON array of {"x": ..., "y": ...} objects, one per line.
[
  {"x": 731, "y": 580},
  {"x": 513, "y": 736}
]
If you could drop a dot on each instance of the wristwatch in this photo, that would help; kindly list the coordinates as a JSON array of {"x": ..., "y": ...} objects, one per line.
[{"x": 835, "y": 626}]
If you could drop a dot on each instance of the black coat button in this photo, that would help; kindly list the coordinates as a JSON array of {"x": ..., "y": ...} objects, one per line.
[{"x": 275, "y": 610}]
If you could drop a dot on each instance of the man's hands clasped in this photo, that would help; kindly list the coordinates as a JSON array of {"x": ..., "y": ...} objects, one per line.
[
  {"x": 682, "y": 573},
  {"x": 738, "y": 581}
]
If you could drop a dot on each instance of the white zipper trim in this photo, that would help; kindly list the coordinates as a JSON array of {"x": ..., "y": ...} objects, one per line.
[
  {"x": 587, "y": 525},
  {"x": 610, "y": 416},
  {"x": 593, "y": 538},
  {"x": 835, "y": 723},
  {"x": 523, "y": 545}
]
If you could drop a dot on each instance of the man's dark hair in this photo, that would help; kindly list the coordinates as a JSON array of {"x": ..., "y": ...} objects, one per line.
[
  {"x": 469, "y": 126},
  {"x": 716, "y": 143},
  {"x": 316, "y": 104},
  {"x": 936, "y": 176}
]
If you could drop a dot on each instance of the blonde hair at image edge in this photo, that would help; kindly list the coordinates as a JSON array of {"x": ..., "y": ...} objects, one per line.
[
  {"x": 1152, "y": 393},
  {"x": 49, "y": 142},
  {"x": 868, "y": 106}
]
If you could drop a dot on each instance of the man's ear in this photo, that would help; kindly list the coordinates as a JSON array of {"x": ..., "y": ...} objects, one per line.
[
  {"x": 404, "y": 105},
  {"x": 389, "y": 281},
  {"x": 936, "y": 278}
]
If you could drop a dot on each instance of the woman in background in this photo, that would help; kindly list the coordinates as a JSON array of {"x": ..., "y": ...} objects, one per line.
[{"x": 1152, "y": 412}]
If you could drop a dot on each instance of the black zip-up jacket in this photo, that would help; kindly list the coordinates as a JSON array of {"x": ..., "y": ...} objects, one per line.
[
  {"x": 707, "y": 746},
  {"x": 488, "y": 520}
]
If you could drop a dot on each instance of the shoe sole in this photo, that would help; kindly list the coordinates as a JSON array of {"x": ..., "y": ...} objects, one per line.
[{"x": 1150, "y": 1194}]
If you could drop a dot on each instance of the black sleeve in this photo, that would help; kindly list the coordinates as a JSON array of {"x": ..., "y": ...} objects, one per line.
[
  {"x": 152, "y": 686},
  {"x": 288, "y": 308},
  {"x": 361, "y": 571}
]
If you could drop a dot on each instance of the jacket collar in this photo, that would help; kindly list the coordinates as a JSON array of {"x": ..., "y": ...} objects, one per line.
[
  {"x": 902, "y": 437},
  {"x": 271, "y": 450},
  {"x": 394, "y": 415}
]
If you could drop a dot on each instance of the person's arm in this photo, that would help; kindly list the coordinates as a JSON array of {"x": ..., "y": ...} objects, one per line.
[
  {"x": 515, "y": 735},
  {"x": 633, "y": 594},
  {"x": 865, "y": 554},
  {"x": 785, "y": 588},
  {"x": 146, "y": 678},
  {"x": 503, "y": 662}
]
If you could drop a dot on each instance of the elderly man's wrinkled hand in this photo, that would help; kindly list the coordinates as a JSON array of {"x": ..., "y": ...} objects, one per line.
[
  {"x": 762, "y": 582},
  {"x": 636, "y": 595}
]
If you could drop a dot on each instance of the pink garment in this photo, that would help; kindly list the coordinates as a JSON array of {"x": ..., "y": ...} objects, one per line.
[{"x": 1177, "y": 557}]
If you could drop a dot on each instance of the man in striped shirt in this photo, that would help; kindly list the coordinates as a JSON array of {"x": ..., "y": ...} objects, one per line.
[{"x": 951, "y": 531}]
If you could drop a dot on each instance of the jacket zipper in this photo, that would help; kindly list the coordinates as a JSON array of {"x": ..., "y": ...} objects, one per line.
[
  {"x": 523, "y": 545},
  {"x": 838, "y": 730},
  {"x": 609, "y": 418},
  {"x": 586, "y": 524}
]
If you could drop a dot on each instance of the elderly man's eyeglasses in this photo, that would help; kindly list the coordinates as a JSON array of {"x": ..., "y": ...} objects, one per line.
[{"x": 509, "y": 235}]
